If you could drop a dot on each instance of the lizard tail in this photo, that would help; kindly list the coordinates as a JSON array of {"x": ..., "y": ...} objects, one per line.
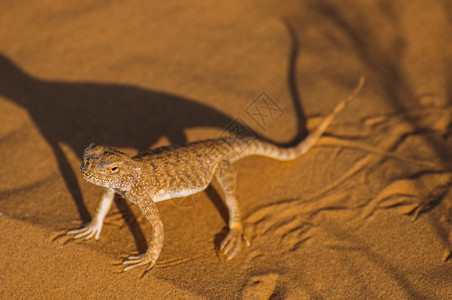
[{"x": 263, "y": 148}]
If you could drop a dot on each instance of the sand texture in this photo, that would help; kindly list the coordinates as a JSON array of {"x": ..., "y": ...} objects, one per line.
[{"x": 365, "y": 214}]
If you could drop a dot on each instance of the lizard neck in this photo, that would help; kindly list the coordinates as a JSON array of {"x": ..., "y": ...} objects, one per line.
[{"x": 127, "y": 194}]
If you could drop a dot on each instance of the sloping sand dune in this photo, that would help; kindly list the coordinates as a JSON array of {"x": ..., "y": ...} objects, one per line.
[{"x": 367, "y": 213}]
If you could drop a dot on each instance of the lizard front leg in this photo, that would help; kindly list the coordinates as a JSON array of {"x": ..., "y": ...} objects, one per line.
[
  {"x": 94, "y": 228},
  {"x": 232, "y": 243},
  {"x": 149, "y": 258}
]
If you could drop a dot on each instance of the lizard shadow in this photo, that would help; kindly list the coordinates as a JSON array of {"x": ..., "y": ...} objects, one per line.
[{"x": 78, "y": 113}]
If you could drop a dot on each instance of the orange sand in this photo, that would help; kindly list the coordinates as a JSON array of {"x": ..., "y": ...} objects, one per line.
[{"x": 364, "y": 214}]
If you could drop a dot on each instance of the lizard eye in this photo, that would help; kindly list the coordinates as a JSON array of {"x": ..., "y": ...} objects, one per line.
[{"x": 115, "y": 169}]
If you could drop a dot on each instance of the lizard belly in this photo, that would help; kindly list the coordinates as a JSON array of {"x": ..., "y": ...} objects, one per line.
[{"x": 162, "y": 196}]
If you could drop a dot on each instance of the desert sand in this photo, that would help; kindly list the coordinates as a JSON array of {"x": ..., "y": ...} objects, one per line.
[{"x": 365, "y": 214}]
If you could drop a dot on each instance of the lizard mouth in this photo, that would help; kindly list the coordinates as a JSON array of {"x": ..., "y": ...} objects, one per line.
[
  {"x": 103, "y": 182},
  {"x": 90, "y": 178}
]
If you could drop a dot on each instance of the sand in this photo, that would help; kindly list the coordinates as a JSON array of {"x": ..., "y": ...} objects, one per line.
[{"x": 365, "y": 214}]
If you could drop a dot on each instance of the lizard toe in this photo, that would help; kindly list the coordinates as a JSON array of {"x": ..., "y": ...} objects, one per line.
[
  {"x": 138, "y": 261},
  {"x": 232, "y": 244}
]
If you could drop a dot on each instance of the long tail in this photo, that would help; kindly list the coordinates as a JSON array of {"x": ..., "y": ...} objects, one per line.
[{"x": 263, "y": 148}]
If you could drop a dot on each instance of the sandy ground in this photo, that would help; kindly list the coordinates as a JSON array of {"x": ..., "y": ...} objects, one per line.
[{"x": 365, "y": 214}]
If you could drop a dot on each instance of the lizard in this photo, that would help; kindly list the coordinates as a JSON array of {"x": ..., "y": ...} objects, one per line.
[{"x": 176, "y": 171}]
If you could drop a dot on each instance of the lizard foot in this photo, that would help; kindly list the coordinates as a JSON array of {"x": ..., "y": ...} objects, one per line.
[
  {"x": 93, "y": 229},
  {"x": 232, "y": 243},
  {"x": 145, "y": 259}
]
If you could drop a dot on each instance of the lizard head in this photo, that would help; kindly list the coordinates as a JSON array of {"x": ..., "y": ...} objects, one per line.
[{"x": 108, "y": 167}]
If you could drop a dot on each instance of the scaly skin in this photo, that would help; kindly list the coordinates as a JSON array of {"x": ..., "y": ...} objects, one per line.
[{"x": 177, "y": 171}]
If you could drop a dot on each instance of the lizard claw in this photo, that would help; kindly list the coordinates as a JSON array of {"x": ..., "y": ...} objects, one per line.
[{"x": 232, "y": 243}]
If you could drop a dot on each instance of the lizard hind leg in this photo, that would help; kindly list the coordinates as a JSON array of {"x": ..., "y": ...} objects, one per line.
[{"x": 232, "y": 243}]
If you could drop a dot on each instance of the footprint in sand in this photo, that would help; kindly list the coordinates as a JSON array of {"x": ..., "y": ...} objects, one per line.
[{"x": 261, "y": 286}]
